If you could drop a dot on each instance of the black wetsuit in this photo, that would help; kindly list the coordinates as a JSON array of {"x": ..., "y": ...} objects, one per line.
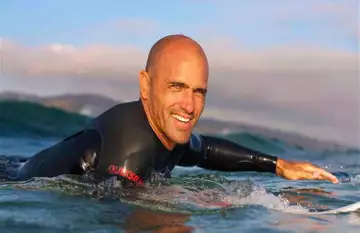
[{"x": 120, "y": 142}]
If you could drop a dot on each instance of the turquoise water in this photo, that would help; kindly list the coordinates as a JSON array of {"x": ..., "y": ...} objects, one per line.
[{"x": 259, "y": 202}]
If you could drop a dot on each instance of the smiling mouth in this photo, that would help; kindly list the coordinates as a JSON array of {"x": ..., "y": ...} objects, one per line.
[{"x": 181, "y": 119}]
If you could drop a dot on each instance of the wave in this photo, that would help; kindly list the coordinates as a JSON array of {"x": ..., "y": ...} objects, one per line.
[
  {"x": 26, "y": 119},
  {"x": 22, "y": 118},
  {"x": 259, "y": 143}
]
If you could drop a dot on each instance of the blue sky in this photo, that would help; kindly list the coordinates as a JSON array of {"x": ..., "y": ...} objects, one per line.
[
  {"x": 280, "y": 63},
  {"x": 256, "y": 23}
]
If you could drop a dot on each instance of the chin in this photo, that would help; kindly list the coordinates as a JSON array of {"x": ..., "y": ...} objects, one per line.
[{"x": 181, "y": 139}]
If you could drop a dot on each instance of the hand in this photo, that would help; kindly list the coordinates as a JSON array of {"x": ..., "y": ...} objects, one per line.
[{"x": 302, "y": 171}]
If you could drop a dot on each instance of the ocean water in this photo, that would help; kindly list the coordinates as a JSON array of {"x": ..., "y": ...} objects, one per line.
[{"x": 192, "y": 201}]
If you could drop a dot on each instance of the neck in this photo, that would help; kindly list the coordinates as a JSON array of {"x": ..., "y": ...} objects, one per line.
[{"x": 164, "y": 140}]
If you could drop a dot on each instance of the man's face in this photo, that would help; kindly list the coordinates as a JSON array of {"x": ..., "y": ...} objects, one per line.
[{"x": 177, "y": 97}]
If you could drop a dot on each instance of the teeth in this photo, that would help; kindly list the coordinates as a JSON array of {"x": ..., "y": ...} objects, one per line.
[{"x": 180, "y": 118}]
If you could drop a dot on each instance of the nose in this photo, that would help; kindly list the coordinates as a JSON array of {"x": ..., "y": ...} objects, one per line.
[{"x": 188, "y": 103}]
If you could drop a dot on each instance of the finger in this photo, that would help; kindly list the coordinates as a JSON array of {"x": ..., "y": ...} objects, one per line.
[{"x": 328, "y": 176}]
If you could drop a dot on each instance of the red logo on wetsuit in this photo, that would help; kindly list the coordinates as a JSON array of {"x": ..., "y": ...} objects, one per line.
[{"x": 122, "y": 171}]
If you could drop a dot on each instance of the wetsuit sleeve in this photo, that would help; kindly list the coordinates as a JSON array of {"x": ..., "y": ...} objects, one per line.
[
  {"x": 76, "y": 154},
  {"x": 223, "y": 155}
]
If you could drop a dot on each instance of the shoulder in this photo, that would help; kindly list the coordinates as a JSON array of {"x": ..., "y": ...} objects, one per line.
[
  {"x": 117, "y": 115},
  {"x": 196, "y": 142}
]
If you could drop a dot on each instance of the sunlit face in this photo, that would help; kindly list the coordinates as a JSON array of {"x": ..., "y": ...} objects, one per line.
[{"x": 177, "y": 97}]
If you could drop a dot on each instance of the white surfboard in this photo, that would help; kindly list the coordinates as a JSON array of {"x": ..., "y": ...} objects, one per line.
[{"x": 345, "y": 209}]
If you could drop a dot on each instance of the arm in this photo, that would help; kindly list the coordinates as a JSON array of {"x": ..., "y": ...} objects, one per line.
[
  {"x": 223, "y": 155},
  {"x": 72, "y": 155}
]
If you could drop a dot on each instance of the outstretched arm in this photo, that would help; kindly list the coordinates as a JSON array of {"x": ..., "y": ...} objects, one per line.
[{"x": 223, "y": 155}]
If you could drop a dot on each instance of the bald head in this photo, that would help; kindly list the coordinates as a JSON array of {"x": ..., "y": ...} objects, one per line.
[
  {"x": 173, "y": 87},
  {"x": 178, "y": 47}
]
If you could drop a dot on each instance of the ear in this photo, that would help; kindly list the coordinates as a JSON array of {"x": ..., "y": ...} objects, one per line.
[{"x": 144, "y": 81}]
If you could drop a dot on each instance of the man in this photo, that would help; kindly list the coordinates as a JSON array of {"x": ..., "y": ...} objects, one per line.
[{"x": 154, "y": 134}]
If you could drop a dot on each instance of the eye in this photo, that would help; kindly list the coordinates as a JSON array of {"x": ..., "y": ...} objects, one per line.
[
  {"x": 200, "y": 92},
  {"x": 176, "y": 86}
]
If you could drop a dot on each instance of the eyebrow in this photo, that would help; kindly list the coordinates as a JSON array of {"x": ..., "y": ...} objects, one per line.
[{"x": 181, "y": 84}]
